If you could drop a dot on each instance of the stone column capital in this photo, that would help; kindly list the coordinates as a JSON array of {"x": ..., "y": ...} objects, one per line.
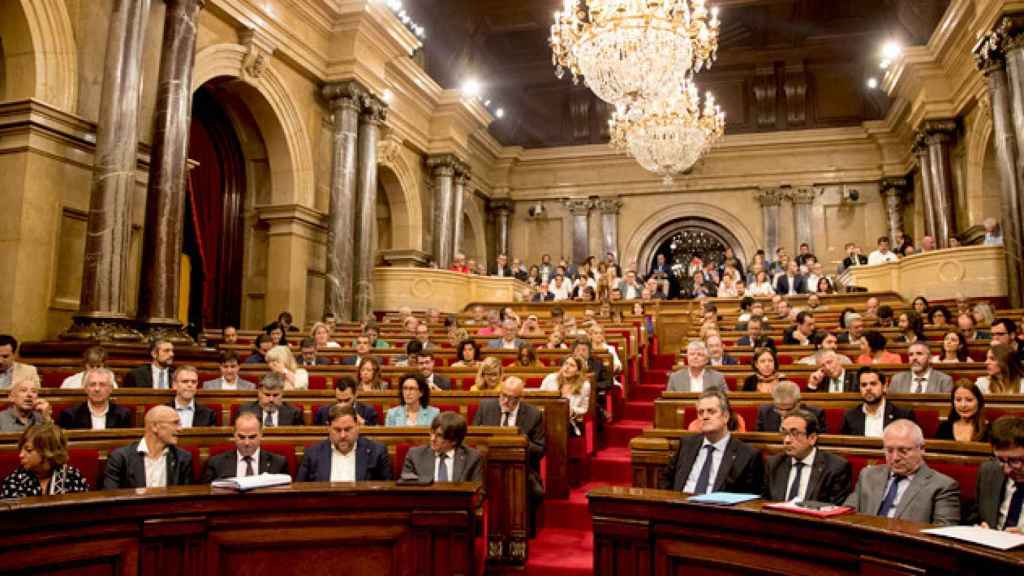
[
  {"x": 578, "y": 206},
  {"x": 990, "y": 50},
  {"x": 442, "y": 165},
  {"x": 347, "y": 94},
  {"x": 501, "y": 207},
  {"x": 894, "y": 186},
  {"x": 608, "y": 205},
  {"x": 938, "y": 131},
  {"x": 462, "y": 175},
  {"x": 375, "y": 110},
  {"x": 770, "y": 196},
  {"x": 802, "y": 195},
  {"x": 260, "y": 47}
]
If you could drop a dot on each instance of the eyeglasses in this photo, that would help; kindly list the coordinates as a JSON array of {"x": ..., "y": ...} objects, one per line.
[
  {"x": 792, "y": 433},
  {"x": 1013, "y": 462}
]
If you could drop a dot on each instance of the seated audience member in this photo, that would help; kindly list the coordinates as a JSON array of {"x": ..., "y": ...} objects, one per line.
[
  {"x": 966, "y": 421},
  {"x": 827, "y": 342},
  {"x": 832, "y": 376},
  {"x": 445, "y": 459},
  {"x": 531, "y": 327},
  {"x": 247, "y": 459},
  {"x": 321, "y": 334},
  {"x": 761, "y": 285},
  {"x": 307, "y": 354},
  {"x": 376, "y": 343},
  {"x": 423, "y": 337},
  {"x": 1000, "y": 485},
  {"x": 872, "y": 309},
  {"x": 344, "y": 456},
  {"x": 98, "y": 412},
  {"x": 783, "y": 311},
  {"x": 414, "y": 407},
  {"x": 508, "y": 339},
  {"x": 526, "y": 357},
  {"x": 785, "y": 399},
  {"x": 261, "y": 346},
  {"x": 905, "y": 487},
  {"x": 154, "y": 461},
  {"x": 192, "y": 413},
  {"x": 457, "y": 336},
  {"x": 873, "y": 350},
  {"x": 425, "y": 363},
  {"x": 284, "y": 322},
  {"x": 277, "y": 334},
  {"x": 802, "y": 333},
  {"x": 804, "y": 472},
  {"x": 853, "y": 256},
  {"x": 270, "y": 405},
  {"x": 1004, "y": 331},
  {"x": 10, "y": 370},
  {"x": 26, "y": 407},
  {"x": 330, "y": 319},
  {"x": 346, "y": 391},
  {"x": 280, "y": 360},
  {"x": 884, "y": 318},
  {"x": 571, "y": 381},
  {"x": 993, "y": 233},
  {"x": 755, "y": 337},
  {"x": 939, "y": 316},
  {"x": 43, "y": 468},
  {"x": 954, "y": 349},
  {"x": 967, "y": 326},
  {"x": 814, "y": 303},
  {"x": 766, "y": 373},
  {"x": 94, "y": 357},
  {"x": 459, "y": 264},
  {"x": 696, "y": 376},
  {"x": 825, "y": 285},
  {"x": 229, "y": 379},
  {"x": 599, "y": 375},
  {"x": 368, "y": 375},
  {"x": 921, "y": 378},
  {"x": 409, "y": 322},
  {"x": 467, "y": 354},
  {"x": 488, "y": 375},
  {"x": 854, "y": 329},
  {"x": 717, "y": 356},
  {"x": 493, "y": 327},
  {"x": 911, "y": 327},
  {"x": 791, "y": 282},
  {"x": 1003, "y": 373},
  {"x": 229, "y": 335},
  {"x": 920, "y": 305},
  {"x": 363, "y": 349},
  {"x": 875, "y": 413},
  {"x": 696, "y": 468},
  {"x": 600, "y": 344},
  {"x": 543, "y": 293},
  {"x": 882, "y": 254},
  {"x": 157, "y": 374},
  {"x": 983, "y": 315}
]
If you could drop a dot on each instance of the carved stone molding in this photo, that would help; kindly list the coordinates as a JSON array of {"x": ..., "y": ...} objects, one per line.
[
  {"x": 770, "y": 196},
  {"x": 260, "y": 48},
  {"x": 578, "y": 206},
  {"x": 375, "y": 110},
  {"x": 608, "y": 205},
  {"x": 443, "y": 165},
  {"x": 898, "y": 186},
  {"x": 795, "y": 89},
  {"x": 388, "y": 150},
  {"x": 990, "y": 51},
  {"x": 802, "y": 195},
  {"x": 765, "y": 96},
  {"x": 500, "y": 207},
  {"x": 938, "y": 130},
  {"x": 348, "y": 94}
]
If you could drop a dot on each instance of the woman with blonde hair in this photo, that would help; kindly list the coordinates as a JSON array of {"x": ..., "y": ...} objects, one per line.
[
  {"x": 43, "y": 465},
  {"x": 281, "y": 360},
  {"x": 571, "y": 382},
  {"x": 488, "y": 376},
  {"x": 322, "y": 334}
]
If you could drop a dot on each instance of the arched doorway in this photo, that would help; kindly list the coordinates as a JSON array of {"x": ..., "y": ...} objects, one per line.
[{"x": 683, "y": 239}]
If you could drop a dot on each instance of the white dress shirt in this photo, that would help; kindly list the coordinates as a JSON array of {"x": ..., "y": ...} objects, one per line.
[
  {"x": 698, "y": 465},
  {"x": 156, "y": 468},
  {"x": 186, "y": 412},
  {"x": 836, "y": 384},
  {"x": 225, "y": 385},
  {"x": 900, "y": 490},
  {"x": 877, "y": 257},
  {"x": 874, "y": 424},
  {"x": 805, "y": 476},
  {"x": 343, "y": 466},
  {"x": 919, "y": 384},
  {"x": 99, "y": 419},
  {"x": 449, "y": 463},
  {"x": 511, "y": 416},
  {"x": 160, "y": 376},
  {"x": 1004, "y": 508},
  {"x": 273, "y": 412},
  {"x": 697, "y": 382},
  {"x": 240, "y": 466}
]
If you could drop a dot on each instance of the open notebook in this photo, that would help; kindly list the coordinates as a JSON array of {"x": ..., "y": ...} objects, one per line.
[{"x": 245, "y": 483}]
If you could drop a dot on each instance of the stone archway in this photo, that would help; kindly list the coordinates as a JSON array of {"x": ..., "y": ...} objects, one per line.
[
  {"x": 40, "y": 54},
  {"x": 397, "y": 180},
  {"x": 716, "y": 236}
]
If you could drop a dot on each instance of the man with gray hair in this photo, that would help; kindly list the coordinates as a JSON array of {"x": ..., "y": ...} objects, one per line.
[
  {"x": 696, "y": 376},
  {"x": 905, "y": 487},
  {"x": 98, "y": 412},
  {"x": 26, "y": 409},
  {"x": 785, "y": 399},
  {"x": 270, "y": 405},
  {"x": 854, "y": 329},
  {"x": 921, "y": 378}
]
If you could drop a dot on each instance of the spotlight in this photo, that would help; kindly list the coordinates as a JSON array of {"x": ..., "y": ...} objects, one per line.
[
  {"x": 471, "y": 88},
  {"x": 891, "y": 50},
  {"x": 872, "y": 83},
  {"x": 500, "y": 112}
]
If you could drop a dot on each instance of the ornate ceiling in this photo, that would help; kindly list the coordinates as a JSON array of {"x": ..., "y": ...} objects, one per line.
[{"x": 782, "y": 64}]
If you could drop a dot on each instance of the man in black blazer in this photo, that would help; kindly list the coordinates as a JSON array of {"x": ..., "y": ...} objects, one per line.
[
  {"x": 755, "y": 337},
  {"x": 126, "y": 466},
  {"x": 307, "y": 354},
  {"x": 874, "y": 413},
  {"x": 425, "y": 362},
  {"x": 445, "y": 459},
  {"x": 156, "y": 374},
  {"x": 714, "y": 461},
  {"x": 790, "y": 282},
  {"x": 344, "y": 456},
  {"x": 1000, "y": 483},
  {"x": 246, "y": 459},
  {"x": 270, "y": 405},
  {"x": 785, "y": 399},
  {"x": 193, "y": 414},
  {"x": 600, "y": 376},
  {"x": 363, "y": 349},
  {"x": 804, "y": 471},
  {"x": 346, "y": 391},
  {"x": 832, "y": 376},
  {"x": 98, "y": 384}
]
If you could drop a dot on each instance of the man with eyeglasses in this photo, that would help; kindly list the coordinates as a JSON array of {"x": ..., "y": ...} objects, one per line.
[
  {"x": 803, "y": 471},
  {"x": 1004, "y": 331},
  {"x": 1000, "y": 485}
]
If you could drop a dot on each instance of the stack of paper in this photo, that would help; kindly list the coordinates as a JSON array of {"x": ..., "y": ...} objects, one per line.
[
  {"x": 723, "y": 498},
  {"x": 976, "y": 535},
  {"x": 822, "y": 512},
  {"x": 244, "y": 483}
]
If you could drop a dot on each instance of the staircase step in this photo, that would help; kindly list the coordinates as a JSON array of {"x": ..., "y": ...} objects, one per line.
[
  {"x": 664, "y": 361},
  {"x": 620, "y": 433},
  {"x": 648, "y": 392},
  {"x": 562, "y": 552},
  {"x": 655, "y": 376},
  {"x": 637, "y": 410},
  {"x": 612, "y": 466},
  {"x": 571, "y": 512}
]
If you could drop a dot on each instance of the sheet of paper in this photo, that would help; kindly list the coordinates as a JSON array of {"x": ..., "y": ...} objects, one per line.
[
  {"x": 250, "y": 482},
  {"x": 998, "y": 539},
  {"x": 728, "y": 498}
]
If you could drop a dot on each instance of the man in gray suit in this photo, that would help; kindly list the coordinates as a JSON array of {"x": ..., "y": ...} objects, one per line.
[
  {"x": 696, "y": 377},
  {"x": 445, "y": 459},
  {"x": 229, "y": 379},
  {"x": 1000, "y": 495},
  {"x": 905, "y": 487},
  {"x": 921, "y": 378}
]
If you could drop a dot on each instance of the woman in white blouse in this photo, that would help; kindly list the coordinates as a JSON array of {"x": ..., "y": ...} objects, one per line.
[
  {"x": 601, "y": 345},
  {"x": 572, "y": 383},
  {"x": 1004, "y": 372},
  {"x": 322, "y": 334},
  {"x": 761, "y": 286},
  {"x": 281, "y": 360}
]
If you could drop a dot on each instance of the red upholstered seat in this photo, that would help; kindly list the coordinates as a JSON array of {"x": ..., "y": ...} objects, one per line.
[
  {"x": 87, "y": 460},
  {"x": 9, "y": 462},
  {"x": 834, "y": 419},
  {"x": 447, "y": 407},
  {"x": 471, "y": 409},
  {"x": 197, "y": 470},
  {"x": 218, "y": 411},
  {"x": 994, "y": 414},
  {"x": 747, "y": 413},
  {"x": 396, "y": 465},
  {"x": 534, "y": 381},
  {"x": 928, "y": 420},
  {"x": 53, "y": 378},
  {"x": 858, "y": 462},
  {"x": 464, "y": 382},
  {"x": 286, "y": 450},
  {"x": 965, "y": 474},
  {"x": 317, "y": 382}
]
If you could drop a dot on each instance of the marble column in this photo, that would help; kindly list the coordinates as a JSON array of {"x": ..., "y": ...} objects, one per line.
[
  {"x": 103, "y": 306},
  {"x": 771, "y": 200},
  {"x": 802, "y": 199},
  {"x": 165, "y": 193},
  {"x": 939, "y": 136},
  {"x": 502, "y": 210},
  {"x": 924, "y": 165},
  {"x": 609, "y": 208},
  {"x": 344, "y": 98},
  {"x": 579, "y": 208},
  {"x": 461, "y": 187},
  {"x": 1007, "y": 109},
  {"x": 893, "y": 192},
  {"x": 374, "y": 114},
  {"x": 442, "y": 170}
]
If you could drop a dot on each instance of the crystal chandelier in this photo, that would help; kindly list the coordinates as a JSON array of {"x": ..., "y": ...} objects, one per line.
[
  {"x": 668, "y": 136},
  {"x": 627, "y": 50}
]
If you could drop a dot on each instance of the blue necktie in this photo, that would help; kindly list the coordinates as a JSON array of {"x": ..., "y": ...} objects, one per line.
[
  {"x": 794, "y": 488},
  {"x": 442, "y": 472},
  {"x": 1016, "y": 502},
  {"x": 705, "y": 473},
  {"x": 890, "y": 496}
]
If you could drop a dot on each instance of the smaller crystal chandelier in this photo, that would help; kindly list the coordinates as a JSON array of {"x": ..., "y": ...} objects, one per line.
[
  {"x": 627, "y": 50},
  {"x": 668, "y": 136}
]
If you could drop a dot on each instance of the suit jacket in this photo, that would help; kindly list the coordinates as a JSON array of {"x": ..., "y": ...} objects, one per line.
[
  {"x": 991, "y": 489},
  {"x": 762, "y": 342},
  {"x": 351, "y": 361},
  {"x": 782, "y": 285},
  {"x": 218, "y": 384},
  {"x": 225, "y": 465},
  {"x": 727, "y": 361},
  {"x": 78, "y": 417},
  {"x": 127, "y": 469},
  {"x": 830, "y": 481},
  {"x": 202, "y": 417},
  {"x": 367, "y": 412},
  {"x": 862, "y": 260},
  {"x": 850, "y": 383},
  {"x": 931, "y": 497},
  {"x": 506, "y": 271},
  {"x": 142, "y": 376},
  {"x": 742, "y": 469},
  {"x": 320, "y": 361},
  {"x": 768, "y": 420},
  {"x": 529, "y": 421},
  {"x": 903, "y": 382},
  {"x": 287, "y": 415},
  {"x": 543, "y": 297},
  {"x": 372, "y": 462},
  {"x": 680, "y": 381},
  {"x": 601, "y": 376},
  {"x": 496, "y": 343},
  {"x": 442, "y": 382},
  {"x": 853, "y": 420},
  {"x": 466, "y": 468}
]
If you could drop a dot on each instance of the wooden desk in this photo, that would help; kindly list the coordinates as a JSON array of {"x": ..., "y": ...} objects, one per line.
[
  {"x": 372, "y": 528},
  {"x": 646, "y": 532}
]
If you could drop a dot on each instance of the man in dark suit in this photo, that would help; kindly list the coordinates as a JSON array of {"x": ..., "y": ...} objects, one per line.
[
  {"x": 193, "y": 414},
  {"x": 307, "y": 354},
  {"x": 785, "y": 399},
  {"x": 98, "y": 384},
  {"x": 717, "y": 356},
  {"x": 803, "y": 471},
  {"x": 874, "y": 414},
  {"x": 790, "y": 282},
  {"x": 425, "y": 362},
  {"x": 832, "y": 376},
  {"x": 1000, "y": 487},
  {"x": 445, "y": 459},
  {"x": 246, "y": 459},
  {"x": 155, "y": 461},
  {"x": 714, "y": 460},
  {"x": 501, "y": 267},
  {"x": 853, "y": 256},
  {"x": 854, "y": 329},
  {"x": 344, "y": 456},
  {"x": 755, "y": 337},
  {"x": 363, "y": 349},
  {"x": 262, "y": 345},
  {"x": 601, "y": 378},
  {"x": 802, "y": 333},
  {"x": 346, "y": 392},
  {"x": 270, "y": 405},
  {"x": 156, "y": 374}
]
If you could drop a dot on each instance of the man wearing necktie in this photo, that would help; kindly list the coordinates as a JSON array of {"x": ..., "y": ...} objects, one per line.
[
  {"x": 247, "y": 459},
  {"x": 922, "y": 378},
  {"x": 803, "y": 471},
  {"x": 905, "y": 487},
  {"x": 445, "y": 459},
  {"x": 1000, "y": 483},
  {"x": 832, "y": 376}
]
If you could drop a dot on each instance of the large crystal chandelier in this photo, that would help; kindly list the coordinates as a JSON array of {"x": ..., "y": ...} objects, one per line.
[
  {"x": 627, "y": 50},
  {"x": 668, "y": 136}
]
